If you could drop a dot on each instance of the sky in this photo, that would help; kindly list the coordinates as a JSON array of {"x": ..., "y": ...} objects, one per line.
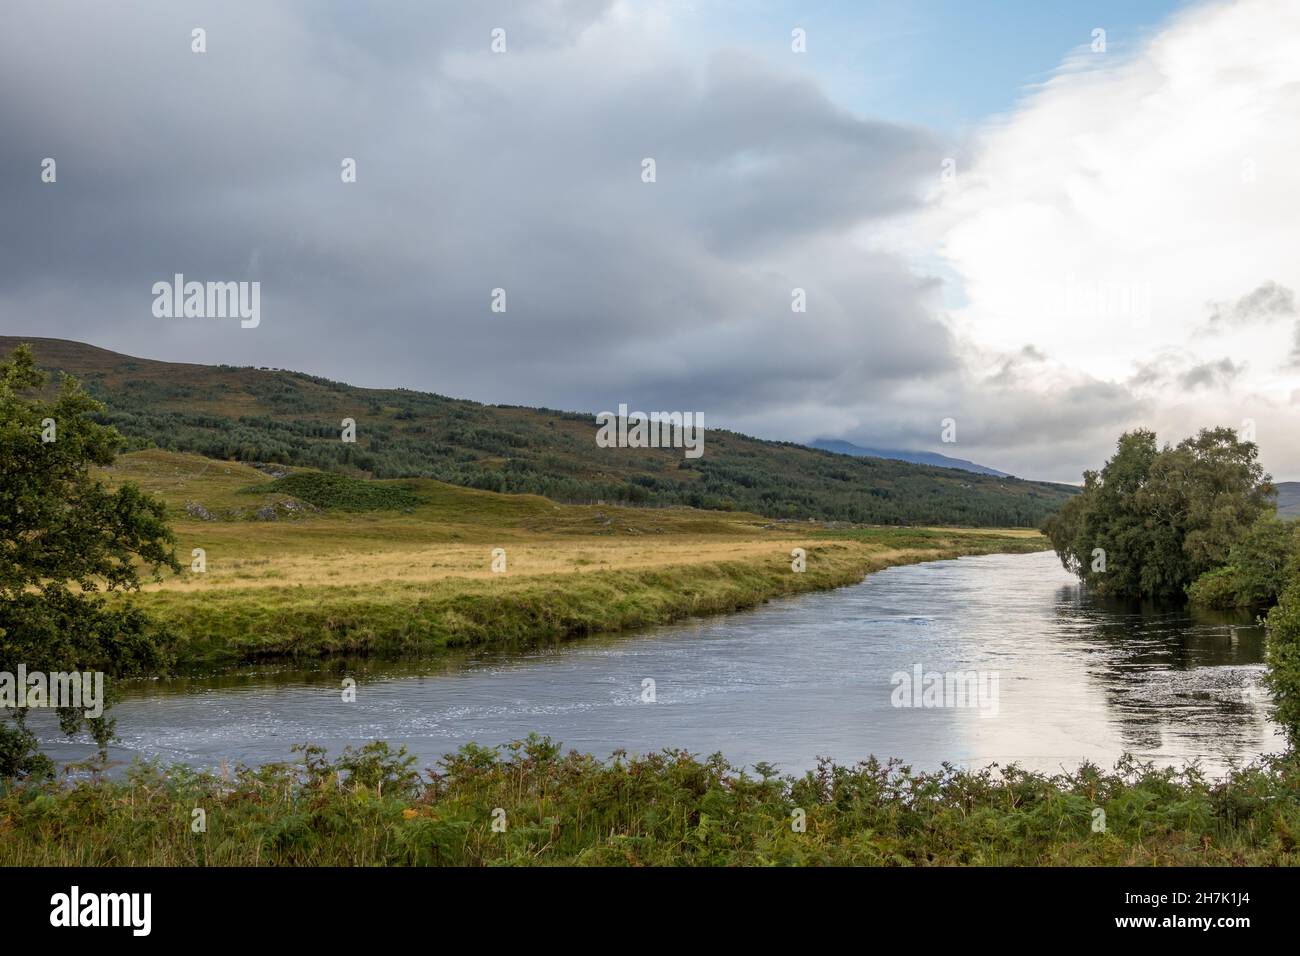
[{"x": 1046, "y": 223}]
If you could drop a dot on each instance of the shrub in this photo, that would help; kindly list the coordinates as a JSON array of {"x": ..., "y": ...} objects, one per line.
[
  {"x": 1283, "y": 652},
  {"x": 1259, "y": 568},
  {"x": 329, "y": 490}
]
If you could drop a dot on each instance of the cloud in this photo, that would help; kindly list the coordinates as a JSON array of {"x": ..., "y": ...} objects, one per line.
[
  {"x": 1268, "y": 302},
  {"x": 1208, "y": 374},
  {"x": 1011, "y": 366},
  {"x": 475, "y": 171},
  {"x": 1124, "y": 193},
  {"x": 1095, "y": 221}
]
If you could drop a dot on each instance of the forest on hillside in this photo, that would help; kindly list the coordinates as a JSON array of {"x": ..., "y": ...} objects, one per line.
[{"x": 291, "y": 418}]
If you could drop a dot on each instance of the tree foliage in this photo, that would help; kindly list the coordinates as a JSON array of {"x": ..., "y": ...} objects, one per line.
[
  {"x": 65, "y": 539},
  {"x": 1153, "y": 519},
  {"x": 1259, "y": 568},
  {"x": 1283, "y": 677}
]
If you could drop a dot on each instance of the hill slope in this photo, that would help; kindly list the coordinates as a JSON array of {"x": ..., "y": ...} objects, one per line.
[
  {"x": 915, "y": 457},
  {"x": 1288, "y": 498},
  {"x": 262, "y": 415}
]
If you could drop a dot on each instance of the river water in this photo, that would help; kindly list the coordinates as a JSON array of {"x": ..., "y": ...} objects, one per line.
[{"x": 1059, "y": 677}]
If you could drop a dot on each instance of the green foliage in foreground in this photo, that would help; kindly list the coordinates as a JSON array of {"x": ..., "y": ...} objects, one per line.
[
  {"x": 1154, "y": 519},
  {"x": 327, "y": 490},
  {"x": 370, "y": 807}
]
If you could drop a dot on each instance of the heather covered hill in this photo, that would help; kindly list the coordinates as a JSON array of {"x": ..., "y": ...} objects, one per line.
[{"x": 277, "y": 416}]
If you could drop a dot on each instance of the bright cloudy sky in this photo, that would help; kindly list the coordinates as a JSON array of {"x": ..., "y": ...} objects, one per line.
[{"x": 1115, "y": 244}]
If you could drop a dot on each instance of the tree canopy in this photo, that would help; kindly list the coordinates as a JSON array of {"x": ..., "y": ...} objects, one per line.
[
  {"x": 64, "y": 540},
  {"x": 1154, "y": 519}
]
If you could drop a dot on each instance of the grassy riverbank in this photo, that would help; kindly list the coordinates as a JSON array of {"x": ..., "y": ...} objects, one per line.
[
  {"x": 370, "y": 808},
  {"x": 405, "y": 567}
]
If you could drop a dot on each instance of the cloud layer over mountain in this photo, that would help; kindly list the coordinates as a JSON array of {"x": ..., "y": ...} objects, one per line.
[{"x": 522, "y": 171}]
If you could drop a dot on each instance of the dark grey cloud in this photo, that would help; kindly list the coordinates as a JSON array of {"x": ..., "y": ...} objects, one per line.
[
  {"x": 1210, "y": 374},
  {"x": 1012, "y": 366},
  {"x": 1181, "y": 370},
  {"x": 475, "y": 171},
  {"x": 1028, "y": 434},
  {"x": 478, "y": 171},
  {"x": 1269, "y": 302},
  {"x": 1148, "y": 373}
]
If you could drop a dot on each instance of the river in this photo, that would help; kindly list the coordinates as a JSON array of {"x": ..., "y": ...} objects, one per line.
[{"x": 1060, "y": 677}]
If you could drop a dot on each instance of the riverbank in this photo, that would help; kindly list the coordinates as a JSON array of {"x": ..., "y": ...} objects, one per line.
[
  {"x": 450, "y": 567},
  {"x": 242, "y": 625},
  {"x": 530, "y": 805}
]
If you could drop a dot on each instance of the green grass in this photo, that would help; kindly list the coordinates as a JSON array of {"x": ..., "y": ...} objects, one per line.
[
  {"x": 369, "y": 808},
  {"x": 241, "y": 625},
  {"x": 409, "y": 575}
]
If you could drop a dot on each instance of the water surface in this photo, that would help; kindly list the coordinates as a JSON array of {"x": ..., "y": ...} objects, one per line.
[{"x": 785, "y": 683}]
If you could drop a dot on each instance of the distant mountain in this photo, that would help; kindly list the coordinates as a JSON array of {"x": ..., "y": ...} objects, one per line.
[
  {"x": 274, "y": 416},
  {"x": 915, "y": 457},
  {"x": 1288, "y": 498}
]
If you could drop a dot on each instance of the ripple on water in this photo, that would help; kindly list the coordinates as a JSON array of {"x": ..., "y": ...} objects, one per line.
[{"x": 784, "y": 683}]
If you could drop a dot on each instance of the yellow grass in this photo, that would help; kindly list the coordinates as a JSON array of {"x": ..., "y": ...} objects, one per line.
[{"x": 323, "y": 581}]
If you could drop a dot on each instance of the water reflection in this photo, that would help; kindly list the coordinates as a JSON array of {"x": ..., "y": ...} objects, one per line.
[{"x": 1175, "y": 678}]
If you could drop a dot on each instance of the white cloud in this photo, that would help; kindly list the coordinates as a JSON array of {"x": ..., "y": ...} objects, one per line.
[
  {"x": 1104, "y": 224},
  {"x": 1127, "y": 201}
]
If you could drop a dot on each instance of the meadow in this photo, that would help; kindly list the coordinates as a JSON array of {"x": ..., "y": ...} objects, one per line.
[{"x": 406, "y": 566}]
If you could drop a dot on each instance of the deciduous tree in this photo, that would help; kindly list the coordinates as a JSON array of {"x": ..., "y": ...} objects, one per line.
[{"x": 65, "y": 539}]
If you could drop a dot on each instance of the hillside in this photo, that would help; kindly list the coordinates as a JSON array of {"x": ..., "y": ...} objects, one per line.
[
  {"x": 264, "y": 415},
  {"x": 1288, "y": 498},
  {"x": 915, "y": 457}
]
